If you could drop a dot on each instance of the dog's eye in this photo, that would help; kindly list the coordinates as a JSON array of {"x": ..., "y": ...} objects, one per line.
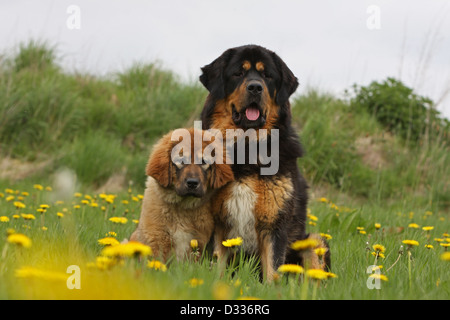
[
  {"x": 238, "y": 74},
  {"x": 267, "y": 75}
]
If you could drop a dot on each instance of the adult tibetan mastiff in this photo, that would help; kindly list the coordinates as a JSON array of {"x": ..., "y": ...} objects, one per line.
[{"x": 249, "y": 88}]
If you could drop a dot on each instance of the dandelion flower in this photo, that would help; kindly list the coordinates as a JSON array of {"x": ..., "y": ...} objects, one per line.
[
  {"x": 19, "y": 205},
  {"x": 290, "y": 268},
  {"x": 378, "y": 254},
  {"x": 30, "y": 272},
  {"x": 130, "y": 249},
  {"x": 121, "y": 220},
  {"x": 379, "y": 276},
  {"x": 4, "y": 219},
  {"x": 232, "y": 242},
  {"x": 428, "y": 228},
  {"x": 326, "y": 236},
  {"x": 28, "y": 216},
  {"x": 305, "y": 244},
  {"x": 194, "y": 244},
  {"x": 59, "y": 214},
  {"x": 379, "y": 248},
  {"x": 108, "y": 241},
  {"x": 321, "y": 251},
  {"x": 445, "y": 256},
  {"x": 413, "y": 226},
  {"x": 157, "y": 265},
  {"x": 318, "y": 274},
  {"x": 377, "y": 226},
  {"x": 19, "y": 239},
  {"x": 195, "y": 282},
  {"x": 429, "y": 246},
  {"x": 38, "y": 187},
  {"x": 411, "y": 243}
]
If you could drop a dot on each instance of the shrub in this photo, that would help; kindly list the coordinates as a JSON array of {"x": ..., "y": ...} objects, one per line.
[{"x": 400, "y": 110}]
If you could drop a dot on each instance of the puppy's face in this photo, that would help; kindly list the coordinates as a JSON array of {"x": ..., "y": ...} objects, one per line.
[
  {"x": 184, "y": 166},
  {"x": 250, "y": 84},
  {"x": 191, "y": 179}
]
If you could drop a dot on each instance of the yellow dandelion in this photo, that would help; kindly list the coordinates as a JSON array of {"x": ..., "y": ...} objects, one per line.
[
  {"x": 28, "y": 216},
  {"x": 19, "y": 205},
  {"x": 59, "y": 214},
  {"x": 324, "y": 200},
  {"x": 379, "y": 248},
  {"x": 378, "y": 254},
  {"x": 108, "y": 241},
  {"x": 429, "y": 246},
  {"x": 85, "y": 202},
  {"x": 156, "y": 265},
  {"x": 377, "y": 226},
  {"x": 411, "y": 243},
  {"x": 379, "y": 277},
  {"x": 19, "y": 239},
  {"x": 103, "y": 263},
  {"x": 30, "y": 272},
  {"x": 290, "y": 268},
  {"x": 413, "y": 226},
  {"x": 321, "y": 251},
  {"x": 120, "y": 220},
  {"x": 44, "y": 206},
  {"x": 232, "y": 242},
  {"x": 194, "y": 244},
  {"x": 318, "y": 274},
  {"x": 326, "y": 236},
  {"x": 445, "y": 256},
  {"x": 305, "y": 244},
  {"x": 38, "y": 187},
  {"x": 312, "y": 217},
  {"x": 427, "y": 228},
  {"x": 130, "y": 249},
  {"x": 4, "y": 219},
  {"x": 445, "y": 245},
  {"x": 9, "y": 198},
  {"x": 362, "y": 232},
  {"x": 136, "y": 221},
  {"x": 195, "y": 282}
]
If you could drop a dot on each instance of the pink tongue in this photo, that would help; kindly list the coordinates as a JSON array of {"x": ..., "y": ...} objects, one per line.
[{"x": 252, "y": 114}]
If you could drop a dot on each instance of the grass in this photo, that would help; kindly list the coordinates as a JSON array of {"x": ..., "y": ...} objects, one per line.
[
  {"x": 89, "y": 129},
  {"x": 73, "y": 240}
]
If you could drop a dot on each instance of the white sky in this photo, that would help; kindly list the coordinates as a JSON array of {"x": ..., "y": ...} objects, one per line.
[{"x": 326, "y": 43}]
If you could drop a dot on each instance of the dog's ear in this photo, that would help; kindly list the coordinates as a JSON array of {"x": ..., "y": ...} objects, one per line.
[
  {"x": 289, "y": 82},
  {"x": 212, "y": 75},
  {"x": 159, "y": 165},
  {"x": 221, "y": 175}
]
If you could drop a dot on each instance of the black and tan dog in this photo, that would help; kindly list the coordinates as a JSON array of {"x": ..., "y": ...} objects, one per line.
[
  {"x": 177, "y": 201},
  {"x": 249, "y": 88}
]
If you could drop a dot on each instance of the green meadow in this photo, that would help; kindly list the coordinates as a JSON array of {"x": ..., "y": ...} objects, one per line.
[{"x": 73, "y": 149}]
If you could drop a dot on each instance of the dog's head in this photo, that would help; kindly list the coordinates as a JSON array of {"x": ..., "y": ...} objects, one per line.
[
  {"x": 179, "y": 161},
  {"x": 251, "y": 86}
]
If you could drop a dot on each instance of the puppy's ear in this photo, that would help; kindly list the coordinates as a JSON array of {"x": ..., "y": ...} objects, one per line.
[
  {"x": 221, "y": 175},
  {"x": 289, "y": 82},
  {"x": 159, "y": 165},
  {"x": 212, "y": 75}
]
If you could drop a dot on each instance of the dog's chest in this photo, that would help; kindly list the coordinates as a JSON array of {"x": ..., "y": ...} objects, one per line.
[{"x": 241, "y": 219}]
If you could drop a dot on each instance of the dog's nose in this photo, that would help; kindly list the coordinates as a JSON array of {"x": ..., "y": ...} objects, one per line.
[
  {"x": 192, "y": 183},
  {"x": 254, "y": 87}
]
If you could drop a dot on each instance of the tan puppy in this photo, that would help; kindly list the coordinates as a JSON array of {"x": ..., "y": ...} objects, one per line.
[{"x": 177, "y": 200}]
